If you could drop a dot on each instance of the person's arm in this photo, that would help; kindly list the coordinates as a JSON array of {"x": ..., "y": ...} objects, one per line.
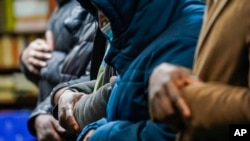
[
  {"x": 215, "y": 106},
  {"x": 211, "y": 106},
  {"x": 74, "y": 63},
  {"x": 78, "y": 84},
  {"x": 92, "y": 107},
  {"x": 35, "y": 56},
  {"x": 44, "y": 126},
  {"x": 227, "y": 104},
  {"x": 77, "y": 105},
  {"x": 51, "y": 72},
  {"x": 64, "y": 96},
  {"x": 126, "y": 131},
  {"x": 44, "y": 107}
]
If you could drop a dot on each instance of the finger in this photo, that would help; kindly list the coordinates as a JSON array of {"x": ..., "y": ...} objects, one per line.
[
  {"x": 36, "y": 62},
  {"x": 194, "y": 80},
  {"x": 67, "y": 119},
  {"x": 50, "y": 39},
  {"x": 39, "y": 136},
  {"x": 41, "y": 55},
  {"x": 161, "y": 106},
  {"x": 55, "y": 136},
  {"x": 48, "y": 135},
  {"x": 177, "y": 99},
  {"x": 61, "y": 131},
  {"x": 33, "y": 69},
  {"x": 180, "y": 78},
  {"x": 58, "y": 127},
  {"x": 41, "y": 45},
  {"x": 72, "y": 121}
]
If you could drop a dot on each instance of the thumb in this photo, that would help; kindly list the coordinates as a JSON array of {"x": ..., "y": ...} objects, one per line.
[
  {"x": 58, "y": 127},
  {"x": 68, "y": 121},
  {"x": 74, "y": 124},
  {"x": 50, "y": 39}
]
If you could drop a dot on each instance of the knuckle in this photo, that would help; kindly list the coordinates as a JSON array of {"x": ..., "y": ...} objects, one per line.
[
  {"x": 38, "y": 54},
  {"x": 30, "y": 53},
  {"x": 31, "y": 69},
  {"x": 34, "y": 61},
  {"x": 32, "y": 44},
  {"x": 38, "y": 40},
  {"x": 29, "y": 60}
]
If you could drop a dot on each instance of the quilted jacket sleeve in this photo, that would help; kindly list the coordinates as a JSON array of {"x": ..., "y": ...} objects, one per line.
[
  {"x": 72, "y": 65},
  {"x": 75, "y": 63}
]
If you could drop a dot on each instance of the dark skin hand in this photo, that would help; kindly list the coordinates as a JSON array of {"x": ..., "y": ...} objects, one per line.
[
  {"x": 48, "y": 129},
  {"x": 66, "y": 102},
  {"x": 37, "y": 53},
  {"x": 166, "y": 103}
]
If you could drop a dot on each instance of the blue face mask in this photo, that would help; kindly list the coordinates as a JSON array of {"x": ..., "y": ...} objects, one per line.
[{"x": 107, "y": 31}]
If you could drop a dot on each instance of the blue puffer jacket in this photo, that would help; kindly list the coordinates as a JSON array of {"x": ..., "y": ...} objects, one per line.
[{"x": 146, "y": 33}]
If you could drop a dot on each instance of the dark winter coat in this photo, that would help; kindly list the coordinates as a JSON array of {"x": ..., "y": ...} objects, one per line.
[
  {"x": 146, "y": 34},
  {"x": 74, "y": 33}
]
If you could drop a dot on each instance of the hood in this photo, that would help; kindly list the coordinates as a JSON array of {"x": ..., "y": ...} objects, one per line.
[
  {"x": 119, "y": 13},
  {"x": 135, "y": 25}
]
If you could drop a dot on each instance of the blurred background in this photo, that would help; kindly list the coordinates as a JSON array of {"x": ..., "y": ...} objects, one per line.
[{"x": 20, "y": 22}]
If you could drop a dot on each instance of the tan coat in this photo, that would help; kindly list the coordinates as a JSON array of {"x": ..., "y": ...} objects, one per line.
[{"x": 222, "y": 61}]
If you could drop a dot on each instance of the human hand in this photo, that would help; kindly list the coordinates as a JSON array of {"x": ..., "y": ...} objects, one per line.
[
  {"x": 37, "y": 53},
  {"x": 165, "y": 98},
  {"x": 48, "y": 129},
  {"x": 88, "y": 135},
  {"x": 66, "y": 103}
]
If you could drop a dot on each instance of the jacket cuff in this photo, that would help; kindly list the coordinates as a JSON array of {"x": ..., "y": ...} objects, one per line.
[
  {"x": 31, "y": 121},
  {"x": 43, "y": 108},
  {"x": 77, "y": 84},
  {"x": 91, "y": 126},
  {"x": 55, "y": 89},
  {"x": 55, "y": 108}
]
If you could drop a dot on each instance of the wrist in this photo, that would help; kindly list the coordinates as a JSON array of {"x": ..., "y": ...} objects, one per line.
[
  {"x": 60, "y": 92},
  {"x": 37, "y": 120}
]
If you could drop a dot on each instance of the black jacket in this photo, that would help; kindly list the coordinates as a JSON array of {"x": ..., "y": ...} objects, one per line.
[{"x": 74, "y": 33}]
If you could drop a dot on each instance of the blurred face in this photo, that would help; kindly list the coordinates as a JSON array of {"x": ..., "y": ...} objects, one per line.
[
  {"x": 104, "y": 24},
  {"x": 102, "y": 19}
]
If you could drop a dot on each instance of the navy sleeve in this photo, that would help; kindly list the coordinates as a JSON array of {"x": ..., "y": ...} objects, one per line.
[{"x": 127, "y": 131}]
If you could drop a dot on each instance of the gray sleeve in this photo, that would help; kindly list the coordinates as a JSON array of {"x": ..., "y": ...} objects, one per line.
[
  {"x": 93, "y": 106},
  {"x": 52, "y": 71},
  {"x": 44, "y": 107}
]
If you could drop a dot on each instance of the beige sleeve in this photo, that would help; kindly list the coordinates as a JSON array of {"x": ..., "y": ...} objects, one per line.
[{"x": 214, "y": 107}]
